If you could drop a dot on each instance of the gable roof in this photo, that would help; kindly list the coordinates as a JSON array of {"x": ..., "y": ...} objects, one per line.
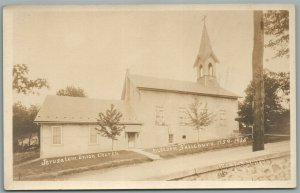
[
  {"x": 205, "y": 50},
  {"x": 178, "y": 86},
  {"x": 65, "y": 109}
]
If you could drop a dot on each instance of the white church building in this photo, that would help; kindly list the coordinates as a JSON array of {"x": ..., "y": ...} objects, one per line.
[{"x": 154, "y": 112}]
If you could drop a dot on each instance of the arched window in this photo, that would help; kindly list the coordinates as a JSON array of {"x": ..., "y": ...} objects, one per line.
[
  {"x": 210, "y": 69},
  {"x": 201, "y": 71}
]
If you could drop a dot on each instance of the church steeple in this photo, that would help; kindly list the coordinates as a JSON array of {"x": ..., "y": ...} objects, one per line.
[{"x": 206, "y": 61}]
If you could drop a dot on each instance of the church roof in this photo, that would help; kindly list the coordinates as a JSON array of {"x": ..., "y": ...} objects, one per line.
[
  {"x": 65, "y": 109},
  {"x": 178, "y": 86},
  {"x": 205, "y": 50}
]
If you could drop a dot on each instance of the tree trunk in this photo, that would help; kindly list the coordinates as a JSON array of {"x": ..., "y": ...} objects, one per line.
[
  {"x": 21, "y": 145},
  {"x": 30, "y": 136},
  {"x": 112, "y": 144},
  {"x": 198, "y": 134},
  {"x": 257, "y": 73},
  {"x": 39, "y": 137}
]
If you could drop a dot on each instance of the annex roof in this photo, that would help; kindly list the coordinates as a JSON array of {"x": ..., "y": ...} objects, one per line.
[{"x": 64, "y": 109}]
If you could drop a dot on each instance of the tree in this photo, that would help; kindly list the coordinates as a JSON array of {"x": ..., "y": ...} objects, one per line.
[
  {"x": 34, "y": 128},
  {"x": 71, "y": 91},
  {"x": 23, "y": 126},
  {"x": 109, "y": 123},
  {"x": 276, "y": 25},
  {"x": 19, "y": 116},
  {"x": 198, "y": 116},
  {"x": 23, "y": 117},
  {"x": 22, "y": 83},
  {"x": 276, "y": 106}
]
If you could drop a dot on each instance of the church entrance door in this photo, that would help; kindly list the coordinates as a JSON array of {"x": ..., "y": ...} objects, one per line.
[{"x": 131, "y": 140}]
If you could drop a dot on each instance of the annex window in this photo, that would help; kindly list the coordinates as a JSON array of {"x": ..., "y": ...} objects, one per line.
[
  {"x": 222, "y": 115},
  {"x": 201, "y": 71},
  {"x": 171, "y": 138},
  {"x": 182, "y": 116},
  {"x": 56, "y": 135},
  {"x": 210, "y": 69},
  {"x": 93, "y": 137},
  {"x": 159, "y": 116}
]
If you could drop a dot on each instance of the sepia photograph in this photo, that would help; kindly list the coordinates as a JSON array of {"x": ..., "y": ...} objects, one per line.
[{"x": 149, "y": 96}]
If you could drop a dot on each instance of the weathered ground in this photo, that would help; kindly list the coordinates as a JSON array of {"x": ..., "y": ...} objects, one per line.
[
  {"x": 271, "y": 169},
  {"x": 168, "y": 169},
  {"x": 25, "y": 156}
]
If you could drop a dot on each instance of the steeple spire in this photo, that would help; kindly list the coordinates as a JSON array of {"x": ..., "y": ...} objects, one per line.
[
  {"x": 206, "y": 61},
  {"x": 205, "y": 50}
]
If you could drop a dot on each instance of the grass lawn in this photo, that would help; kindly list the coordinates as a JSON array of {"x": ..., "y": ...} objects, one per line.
[
  {"x": 52, "y": 167},
  {"x": 271, "y": 138},
  {"x": 25, "y": 156},
  {"x": 190, "y": 148}
]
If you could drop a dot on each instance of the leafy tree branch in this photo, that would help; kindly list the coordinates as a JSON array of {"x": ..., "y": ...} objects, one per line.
[
  {"x": 109, "y": 123},
  {"x": 71, "y": 91},
  {"x": 276, "y": 25},
  {"x": 198, "y": 116},
  {"x": 22, "y": 83}
]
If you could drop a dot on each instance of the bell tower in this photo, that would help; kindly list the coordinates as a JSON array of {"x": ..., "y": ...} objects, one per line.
[{"x": 205, "y": 63}]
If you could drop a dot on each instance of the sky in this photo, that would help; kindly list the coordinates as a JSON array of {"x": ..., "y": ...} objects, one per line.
[{"x": 93, "y": 49}]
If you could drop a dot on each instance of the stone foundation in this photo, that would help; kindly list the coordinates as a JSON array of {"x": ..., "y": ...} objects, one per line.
[{"x": 262, "y": 170}]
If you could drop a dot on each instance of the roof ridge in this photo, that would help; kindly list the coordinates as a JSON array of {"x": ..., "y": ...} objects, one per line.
[
  {"x": 159, "y": 78},
  {"x": 86, "y": 98}
]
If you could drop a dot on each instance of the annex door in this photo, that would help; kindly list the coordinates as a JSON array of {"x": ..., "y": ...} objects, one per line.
[{"x": 131, "y": 140}]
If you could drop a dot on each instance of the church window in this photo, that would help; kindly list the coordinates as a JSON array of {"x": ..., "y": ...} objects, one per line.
[
  {"x": 201, "y": 71},
  {"x": 222, "y": 115},
  {"x": 159, "y": 119},
  {"x": 93, "y": 137},
  {"x": 184, "y": 137},
  {"x": 56, "y": 135},
  {"x": 182, "y": 116},
  {"x": 171, "y": 138},
  {"x": 210, "y": 69}
]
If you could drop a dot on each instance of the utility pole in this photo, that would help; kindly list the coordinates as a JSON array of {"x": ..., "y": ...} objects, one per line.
[{"x": 257, "y": 75}]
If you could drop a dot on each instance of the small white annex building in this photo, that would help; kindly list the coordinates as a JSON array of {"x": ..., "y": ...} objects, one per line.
[{"x": 153, "y": 112}]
